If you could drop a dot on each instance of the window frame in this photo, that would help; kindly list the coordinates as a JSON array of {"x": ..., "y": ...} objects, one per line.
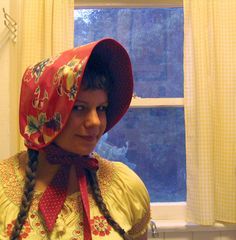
[{"x": 163, "y": 212}]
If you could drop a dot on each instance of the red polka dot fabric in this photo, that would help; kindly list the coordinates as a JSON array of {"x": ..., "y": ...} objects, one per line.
[{"x": 54, "y": 196}]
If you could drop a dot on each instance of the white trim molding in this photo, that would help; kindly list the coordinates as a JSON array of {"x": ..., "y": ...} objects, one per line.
[
  {"x": 128, "y": 3},
  {"x": 138, "y": 102}
]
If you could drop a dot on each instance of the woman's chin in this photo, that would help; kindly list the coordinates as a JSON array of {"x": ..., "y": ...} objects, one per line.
[{"x": 81, "y": 151}]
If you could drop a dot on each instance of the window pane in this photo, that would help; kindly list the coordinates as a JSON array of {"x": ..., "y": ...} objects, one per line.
[
  {"x": 156, "y": 152},
  {"x": 153, "y": 38}
]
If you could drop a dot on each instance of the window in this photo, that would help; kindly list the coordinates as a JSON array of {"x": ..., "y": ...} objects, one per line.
[{"x": 150, "y": 138}]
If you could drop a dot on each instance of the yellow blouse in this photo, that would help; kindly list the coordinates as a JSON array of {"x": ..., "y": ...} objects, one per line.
[{"x": 123, "y": 192}]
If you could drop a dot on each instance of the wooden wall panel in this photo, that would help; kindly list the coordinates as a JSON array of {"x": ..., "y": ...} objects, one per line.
[
  {"x": 228, "y": 235},
  {"x": 198, "y": 235},
  {"x": 160, "y": 237},
  {"x": 178, "y": 236},
  {"x": 206, "y": 236}
]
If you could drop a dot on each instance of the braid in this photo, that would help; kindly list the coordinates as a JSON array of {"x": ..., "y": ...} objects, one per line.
[
  {"x": 27, "y": 193},
  {"x": 102, "y": 206}
]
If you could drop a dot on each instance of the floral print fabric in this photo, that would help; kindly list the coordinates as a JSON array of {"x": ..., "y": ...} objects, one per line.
[
  {"x": 50, "y": 87},
  {"x": 124, "y": 193}
]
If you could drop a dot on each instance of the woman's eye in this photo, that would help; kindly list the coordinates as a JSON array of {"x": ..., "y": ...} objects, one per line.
[
  {"x": 102, "y": 108},
  {"x": 78, "y": 108}
]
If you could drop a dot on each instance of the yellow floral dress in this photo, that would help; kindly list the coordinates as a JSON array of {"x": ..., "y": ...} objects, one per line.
[{"x": 124, "y": 194}]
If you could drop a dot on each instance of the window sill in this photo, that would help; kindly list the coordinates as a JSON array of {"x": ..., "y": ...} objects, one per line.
[
  {"x": 182, "y": 226},
  {"x": 171, "y": 217}
]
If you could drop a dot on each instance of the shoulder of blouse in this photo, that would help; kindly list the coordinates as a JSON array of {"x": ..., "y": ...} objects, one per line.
[
  {"x": 125, "y": 188},
  {"x": 12, "y": 177},
  {"x": 117, "y": 172}
]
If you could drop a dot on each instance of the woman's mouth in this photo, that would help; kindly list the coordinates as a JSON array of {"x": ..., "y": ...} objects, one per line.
[{"x": 88, "y": 138}]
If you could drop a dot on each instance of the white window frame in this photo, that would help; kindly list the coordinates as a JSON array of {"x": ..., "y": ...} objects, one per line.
[
  {"x": 168, "y": 216},
  {"x": 162, "y": 213}
]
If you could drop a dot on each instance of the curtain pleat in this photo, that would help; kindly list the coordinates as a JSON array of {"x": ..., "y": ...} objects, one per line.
[{"x": 210, "y": 109}]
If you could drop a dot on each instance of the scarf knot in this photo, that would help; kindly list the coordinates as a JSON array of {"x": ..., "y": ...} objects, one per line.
[
  {"x": 56, "y": 155},
  {"x": 54, "y": 196}
]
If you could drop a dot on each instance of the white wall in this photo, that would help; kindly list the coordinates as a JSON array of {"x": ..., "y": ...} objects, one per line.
[
  {"x": 9, "y": 127},
  {"x": 4, "y": 83}
]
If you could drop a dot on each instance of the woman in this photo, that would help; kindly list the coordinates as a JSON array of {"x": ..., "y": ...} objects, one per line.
[{"x": 59, "y": 188}]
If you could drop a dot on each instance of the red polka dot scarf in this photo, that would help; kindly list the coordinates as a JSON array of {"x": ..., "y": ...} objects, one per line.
[{"x": 54, "y": 197}]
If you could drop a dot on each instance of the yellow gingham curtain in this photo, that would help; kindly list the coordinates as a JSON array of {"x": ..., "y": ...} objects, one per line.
[
  {"x": 46, "y": 27},
  {"x": 210, "y": 109}
]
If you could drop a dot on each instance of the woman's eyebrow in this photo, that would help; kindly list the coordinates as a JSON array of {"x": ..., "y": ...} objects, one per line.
[{"x": 80, "y": 101}]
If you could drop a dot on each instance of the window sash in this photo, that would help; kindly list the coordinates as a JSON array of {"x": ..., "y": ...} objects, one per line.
[
  {"x": 138, "y": 102},
  {"x": 128, "y": 3},
  {"x": 156, "y": 102},
  {"x": 160, "y": 211}
]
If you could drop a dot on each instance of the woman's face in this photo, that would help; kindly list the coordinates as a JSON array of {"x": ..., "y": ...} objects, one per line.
[{"x": 86, "y": 123}]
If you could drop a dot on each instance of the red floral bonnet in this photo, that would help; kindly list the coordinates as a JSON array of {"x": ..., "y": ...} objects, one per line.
[{"x": 49, "y": 90}]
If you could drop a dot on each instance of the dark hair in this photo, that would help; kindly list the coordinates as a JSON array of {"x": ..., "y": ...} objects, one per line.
[
  {"x": 96, "y": 76},
  {"x": 28, "y": 192}
]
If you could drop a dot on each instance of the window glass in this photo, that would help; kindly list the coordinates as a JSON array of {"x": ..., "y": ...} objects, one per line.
[
  {"x": 151, "y": 142},
  {"x": 153, "y": 38}
]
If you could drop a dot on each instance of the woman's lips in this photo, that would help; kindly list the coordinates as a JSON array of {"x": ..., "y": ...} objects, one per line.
[{"x": 88, "y": 138}]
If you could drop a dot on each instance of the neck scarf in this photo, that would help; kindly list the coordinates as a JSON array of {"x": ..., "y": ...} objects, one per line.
[{"x": 54, "y": 196}]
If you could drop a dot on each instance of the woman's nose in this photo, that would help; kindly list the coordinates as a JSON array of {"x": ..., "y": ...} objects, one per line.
[{"x": 92, "y": 119}]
